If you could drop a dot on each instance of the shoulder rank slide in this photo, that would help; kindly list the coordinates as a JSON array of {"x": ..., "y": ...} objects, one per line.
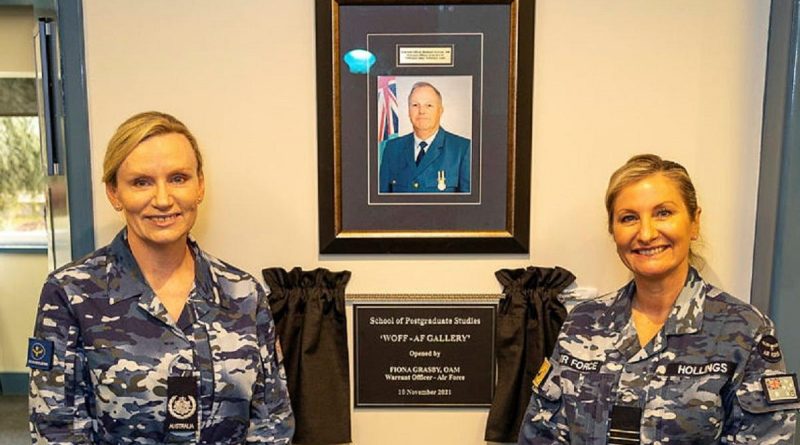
[{"x": 781, "y": 388}]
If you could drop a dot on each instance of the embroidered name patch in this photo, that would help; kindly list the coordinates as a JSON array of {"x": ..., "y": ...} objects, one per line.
[
  {"x": 780, "y": 388},
  {"x": 40, "y": 354},
  {"x": 581, "y": 365},
  {"x": 541, "y": 376},
  {"x": 769, "y": 349},
  {"x": 726, "y": 368}
]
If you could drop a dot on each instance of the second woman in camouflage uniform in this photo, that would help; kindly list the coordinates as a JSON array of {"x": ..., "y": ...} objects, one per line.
[{"x": 669, "y": 358}]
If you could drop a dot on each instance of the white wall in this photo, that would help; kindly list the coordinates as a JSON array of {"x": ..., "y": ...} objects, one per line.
[
  {"x": 21, "y": 278},
  {"x": 16, "y": 41},
  {"x": 611, "y": 79}
]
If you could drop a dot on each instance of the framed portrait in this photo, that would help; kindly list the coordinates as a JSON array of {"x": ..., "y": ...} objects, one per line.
[{"x": 424, "y": 125}]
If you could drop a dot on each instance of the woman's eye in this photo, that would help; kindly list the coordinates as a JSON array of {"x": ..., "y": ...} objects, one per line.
[
  {"x": 663, "y": 213},
  {"x": 625, "y": 219},
  {"x": 140, "y": 182},
  {"x": 179, "y": 179}
]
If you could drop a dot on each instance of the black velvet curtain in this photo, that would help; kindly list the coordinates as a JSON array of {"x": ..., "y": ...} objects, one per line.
[
  {"x": 308, "y": 308},
  {"x": 528, "y": 320}
]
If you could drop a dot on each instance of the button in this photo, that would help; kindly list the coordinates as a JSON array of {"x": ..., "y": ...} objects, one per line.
[
  {"x": 394, "y": 181},
  {"x": 416, "y": 185}
]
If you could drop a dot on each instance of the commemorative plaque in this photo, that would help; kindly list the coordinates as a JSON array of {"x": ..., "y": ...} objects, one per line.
[{"x": 424, "y": 355}]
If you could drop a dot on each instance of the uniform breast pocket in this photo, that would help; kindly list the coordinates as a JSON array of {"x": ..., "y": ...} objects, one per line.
[
  {"x": 118, "y": 377},
  {"x": 586, "y": 398},
  {"x": 691, "y": 407}
]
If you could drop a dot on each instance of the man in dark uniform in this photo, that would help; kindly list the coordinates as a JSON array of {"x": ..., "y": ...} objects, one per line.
[{"x": 430, "y": 159}]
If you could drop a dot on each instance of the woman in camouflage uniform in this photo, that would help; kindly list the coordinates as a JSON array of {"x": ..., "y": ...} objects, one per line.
[
  {"x": 151, "y": 340},
  {"x": 669, "y": 358}
]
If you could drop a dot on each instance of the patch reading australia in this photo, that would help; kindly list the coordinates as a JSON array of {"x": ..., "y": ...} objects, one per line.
[
  {"x": 686, "y": 369},
  {"x": 769, "y": 349},
  {"x": 581, "y": 365}
]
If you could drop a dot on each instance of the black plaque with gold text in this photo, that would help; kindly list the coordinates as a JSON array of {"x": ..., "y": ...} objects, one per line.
[{"x": 424, "y": 355}]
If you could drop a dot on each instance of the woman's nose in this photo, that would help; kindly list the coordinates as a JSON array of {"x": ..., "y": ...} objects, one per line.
[
  {"x": 647, "y": 230},
  {"x": 163, "y": 198}
]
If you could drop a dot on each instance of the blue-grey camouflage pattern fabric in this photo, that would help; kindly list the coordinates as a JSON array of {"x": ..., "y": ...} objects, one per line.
[
  {"x": 598, "y": 363},
  {"x": 115, "y": 346}
]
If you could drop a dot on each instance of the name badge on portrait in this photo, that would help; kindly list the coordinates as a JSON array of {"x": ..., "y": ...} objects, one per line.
[{"x": 182, "y": 406}]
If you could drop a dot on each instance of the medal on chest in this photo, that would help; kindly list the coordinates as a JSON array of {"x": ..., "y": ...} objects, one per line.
[{"x": 441, "y": 181}]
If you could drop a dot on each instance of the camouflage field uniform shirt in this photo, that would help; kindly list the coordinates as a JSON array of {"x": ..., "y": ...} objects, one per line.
[
  {"x": 114, "y": 347},
  {"x": 699, "y": 381}
]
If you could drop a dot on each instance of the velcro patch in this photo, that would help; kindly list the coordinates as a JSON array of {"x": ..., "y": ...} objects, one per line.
[
  {"x": 686, "y": 369},
  {"x": 780, "y": 388},
  {"x": 544, "y": 371},
  {"x": 581, "y": 365},
  {"x": 769, "y": 349},
  {"x": 40, "y": 354},
  {"x": 624, "y": 426}
]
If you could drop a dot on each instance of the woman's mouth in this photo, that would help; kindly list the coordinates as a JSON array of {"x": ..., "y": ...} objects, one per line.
[
  {"x": 163, "y": 219},
  {"x": 650, "y": 251}
]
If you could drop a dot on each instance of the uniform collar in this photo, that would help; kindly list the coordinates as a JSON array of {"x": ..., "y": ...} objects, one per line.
[
  {"x": 686, "y": 316},
  {"x": 125, "y": 278}
]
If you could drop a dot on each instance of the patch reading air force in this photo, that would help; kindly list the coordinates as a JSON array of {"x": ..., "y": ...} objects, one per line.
[
  {"x": 769, "y": 349},
  {"x": 40, "y": 354},
  {"x": 780, "y": 388},
  {"x": 544, "y": 371}
]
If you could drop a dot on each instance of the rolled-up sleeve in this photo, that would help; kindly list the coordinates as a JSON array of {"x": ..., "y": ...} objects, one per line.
[
  {"x": 544, "y": 421},
  {"x": 754, "y": 419},
  {"x": 59, "y": 392}
]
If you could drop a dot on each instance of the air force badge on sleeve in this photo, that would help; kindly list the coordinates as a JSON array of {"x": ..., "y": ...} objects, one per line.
[
  {"x": 769, "y": 349},
  {"x": 780, "y": 388},
  {"x": 40, "y": 354}
]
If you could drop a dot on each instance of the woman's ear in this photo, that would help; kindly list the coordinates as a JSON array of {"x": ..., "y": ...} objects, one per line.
[{"x": 111, "y": 193}]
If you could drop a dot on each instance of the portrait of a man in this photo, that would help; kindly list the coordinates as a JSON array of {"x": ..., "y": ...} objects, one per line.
[{"x": 429, "y": 159}]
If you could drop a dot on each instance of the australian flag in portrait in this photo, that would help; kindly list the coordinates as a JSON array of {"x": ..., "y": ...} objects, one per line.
[{"x": 387, "y": 111}]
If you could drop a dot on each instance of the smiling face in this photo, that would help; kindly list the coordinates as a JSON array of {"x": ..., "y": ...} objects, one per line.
[
  {"x": 158, "y": 189},
  {"x": 425, "y": 110},
  {"x": 653, "y": 229}
]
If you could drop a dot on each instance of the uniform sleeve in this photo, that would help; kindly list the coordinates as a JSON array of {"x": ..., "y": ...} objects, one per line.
[
  {"x": 384, "y": 172},
  {"x": 544, "y": 421},
  {"x": 466, "y": 172},
  {"x": 271, "y": 418},
  {"x": 58, "y": 390},
  {"x": 753, "y": 418}
]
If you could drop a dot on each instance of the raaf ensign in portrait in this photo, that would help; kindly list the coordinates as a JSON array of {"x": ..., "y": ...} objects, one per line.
[{"x": 430, "y": 152}]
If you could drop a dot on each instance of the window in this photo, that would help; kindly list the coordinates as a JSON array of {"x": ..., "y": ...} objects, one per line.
[{"x": 22, "y": 201}]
